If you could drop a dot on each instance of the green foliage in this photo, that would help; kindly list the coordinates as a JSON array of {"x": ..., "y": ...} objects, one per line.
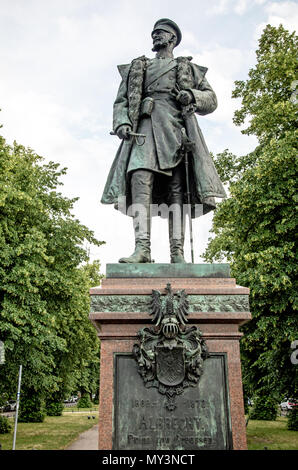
[
  {"x": 264, "y": 408},
  {"x": 293, "y": 419},
  {"x": 54, "y": 404},
  {"x": 86, "y": 374},
  {"x": 84, "y": 401},
  {"x": 92, "y": 271},
  {"x": 5, "y": 426},
  {"x": 32, "y": 409},
  {"x": 266, "y": 95},
  {"x": 54, "y": 408},
  {"x": 255, "y": 228},
  {"x": 44, "y": 285}
]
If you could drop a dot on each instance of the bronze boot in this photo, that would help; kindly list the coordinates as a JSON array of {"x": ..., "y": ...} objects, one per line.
[
  {"x": 176, "y": 215},
  {"x": 141, "y": 253},
  {"x": 176, "y": 244},
  {"x": 177, "y": 252},
  {"x": 141, "y": 187}
]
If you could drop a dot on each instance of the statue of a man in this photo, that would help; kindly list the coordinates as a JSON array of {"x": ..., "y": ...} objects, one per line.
[{"x": 158, "y": 98}]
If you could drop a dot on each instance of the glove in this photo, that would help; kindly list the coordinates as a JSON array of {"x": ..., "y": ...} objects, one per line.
[
  {"x": 123, "y": 131},
  {"x": 185, "y": 97}
]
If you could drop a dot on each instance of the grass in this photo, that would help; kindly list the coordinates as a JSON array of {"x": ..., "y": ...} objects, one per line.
[
  {"x": 55, "y": 433},
  {"x": 58, "y": 432},
  {"x": 271, "y": 434}
]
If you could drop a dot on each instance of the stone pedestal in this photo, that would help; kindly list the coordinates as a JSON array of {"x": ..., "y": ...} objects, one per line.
[{"x": 119, "y": 308}]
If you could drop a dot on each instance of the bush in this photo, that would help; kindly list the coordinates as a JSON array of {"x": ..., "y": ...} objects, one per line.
[
  {"x": 54, "y": 409},
  {"x": 265, "y": 408},
  {"x": 5, "y": 425},
  {"x": 32, "y": 410},
  {"x": 84, "y": 401},
  {"x": 293, "y": 419}
]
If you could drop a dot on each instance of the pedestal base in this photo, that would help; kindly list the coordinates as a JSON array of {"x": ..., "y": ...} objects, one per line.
[{"x": 130, "y": 420}]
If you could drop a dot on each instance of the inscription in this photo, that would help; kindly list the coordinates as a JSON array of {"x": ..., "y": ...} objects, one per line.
[
  {"x": 144, "y": 404},
  {"x": 190, "y": 404},
  {"x": 170, "y": 440},
  {"x": 200, "y": 421},
  {"x": 187, "y": 423},
  {"x": 194, "y": 404}
]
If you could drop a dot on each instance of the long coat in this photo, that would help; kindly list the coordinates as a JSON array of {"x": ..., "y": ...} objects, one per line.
[{"x": 160, "y": 153}]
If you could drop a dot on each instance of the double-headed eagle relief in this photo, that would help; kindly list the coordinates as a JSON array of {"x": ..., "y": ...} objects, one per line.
[{"x": 170, "y": 355}]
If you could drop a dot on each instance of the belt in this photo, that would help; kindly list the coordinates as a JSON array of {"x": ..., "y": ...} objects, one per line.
[{"x": 159, "y": 94}]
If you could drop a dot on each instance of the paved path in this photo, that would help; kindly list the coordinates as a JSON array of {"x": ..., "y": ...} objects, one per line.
[{"x": 88, "y": 440}]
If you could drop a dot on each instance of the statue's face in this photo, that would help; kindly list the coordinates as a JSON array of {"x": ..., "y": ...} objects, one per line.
[{"x": 161, "y": 39}]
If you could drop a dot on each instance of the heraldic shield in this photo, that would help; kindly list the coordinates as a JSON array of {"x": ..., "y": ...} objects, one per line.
[
  {"x": 170, "y": 365},
  {"x": 170, "y": 356}
]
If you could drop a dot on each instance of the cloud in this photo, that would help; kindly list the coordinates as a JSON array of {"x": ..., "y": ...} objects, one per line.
[
  {"x": 225, "y": 65},
  {"x": 285, "y": 13},
  {"x": 239, "y": 7},
  {"x": 219, "y": 7}
]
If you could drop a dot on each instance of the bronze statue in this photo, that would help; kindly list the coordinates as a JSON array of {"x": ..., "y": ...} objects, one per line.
[{"x": 163, "y": 157}]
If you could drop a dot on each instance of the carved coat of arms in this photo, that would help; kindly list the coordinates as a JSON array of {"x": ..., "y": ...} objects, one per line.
[{"x": 170, "y": 356}]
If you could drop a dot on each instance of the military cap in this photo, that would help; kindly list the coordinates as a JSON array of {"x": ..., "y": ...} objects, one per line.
[{"x": 169, "y": 26}]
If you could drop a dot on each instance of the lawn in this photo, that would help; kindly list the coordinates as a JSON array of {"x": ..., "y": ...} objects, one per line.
[
  {"x": 271, "y": 434},
  {"x": 55, "y": 433}
]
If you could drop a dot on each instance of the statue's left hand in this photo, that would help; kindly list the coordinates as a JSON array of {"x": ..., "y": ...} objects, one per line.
[{"x": 185, "y": 97}]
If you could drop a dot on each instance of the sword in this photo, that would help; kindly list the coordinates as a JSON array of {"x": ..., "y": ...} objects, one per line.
[
  {"x": 188, "y": 146},
  {"x": 134, "y": 136}
]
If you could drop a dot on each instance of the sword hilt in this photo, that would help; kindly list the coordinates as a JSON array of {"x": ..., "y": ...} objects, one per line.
[
  {"x": 134, "y": 135},
  {"x": 187, "y": 144}
]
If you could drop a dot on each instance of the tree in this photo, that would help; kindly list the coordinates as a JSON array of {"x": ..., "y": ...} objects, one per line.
[
  {"x": 293, "y": 419},
  {"x": 79, "y": 370},
  {"x": 265, "y": 408},
  {"x": 255, "y": 228},
  {"x": 86, "y": 372},
  {"x": 44, "y": 299}
]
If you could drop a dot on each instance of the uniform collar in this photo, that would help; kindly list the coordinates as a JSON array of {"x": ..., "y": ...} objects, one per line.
[{"x": 164, "y": 69}]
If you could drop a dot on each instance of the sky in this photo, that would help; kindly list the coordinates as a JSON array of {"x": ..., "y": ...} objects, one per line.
[{"x": 59, "y": 80}]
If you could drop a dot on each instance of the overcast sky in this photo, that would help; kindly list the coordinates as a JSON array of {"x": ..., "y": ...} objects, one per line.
[{"x": 59, "y": 79}]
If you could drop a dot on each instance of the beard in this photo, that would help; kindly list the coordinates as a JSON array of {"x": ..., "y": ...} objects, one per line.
[{"x": 160, "y": 44}]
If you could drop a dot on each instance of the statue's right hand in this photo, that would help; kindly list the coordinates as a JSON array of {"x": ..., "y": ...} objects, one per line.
[{"x": 123, "y": 131}]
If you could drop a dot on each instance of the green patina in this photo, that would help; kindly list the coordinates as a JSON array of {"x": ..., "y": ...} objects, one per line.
[
  {"x": 200, "y": 421},
  {"x": 165, "y": 270},
  {"x": 197, "y": 303}
]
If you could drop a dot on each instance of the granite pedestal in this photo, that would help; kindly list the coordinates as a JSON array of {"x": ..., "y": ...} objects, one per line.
[{"x": 119, "y": 309}]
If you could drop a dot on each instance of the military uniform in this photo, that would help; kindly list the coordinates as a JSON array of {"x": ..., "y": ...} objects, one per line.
[{"x": 154, "y": 172}]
